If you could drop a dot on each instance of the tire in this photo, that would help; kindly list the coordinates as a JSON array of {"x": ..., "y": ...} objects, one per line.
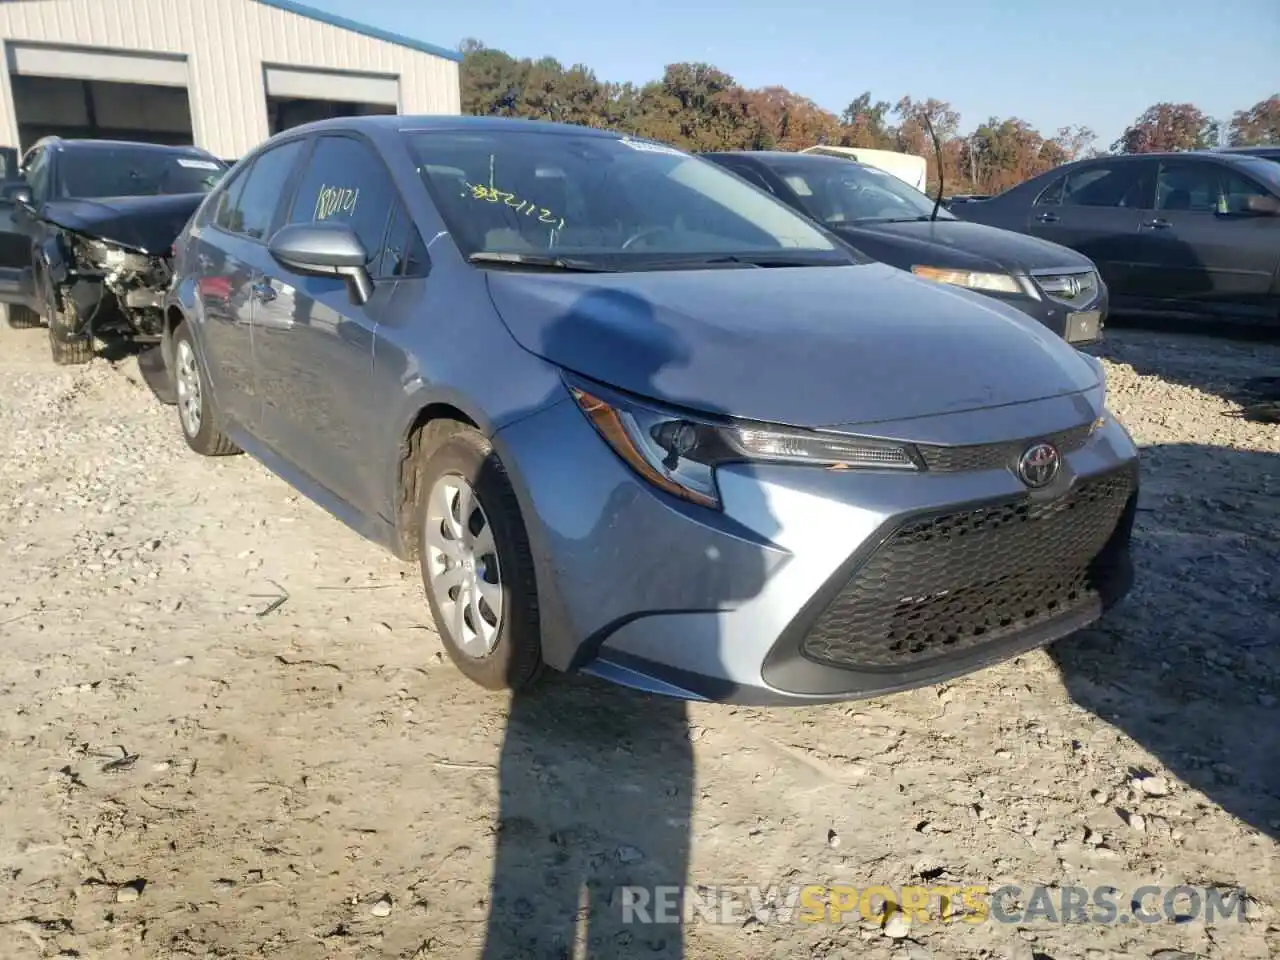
[
  {"x": 24, "y": 318},
  {"x": 66, "y": 346},
  {"x": 198, "y": 418},
  {"x": 502, "y": 656}
]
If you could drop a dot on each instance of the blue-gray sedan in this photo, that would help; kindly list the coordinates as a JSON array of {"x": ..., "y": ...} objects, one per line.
[{"x": 635, "y": 417}]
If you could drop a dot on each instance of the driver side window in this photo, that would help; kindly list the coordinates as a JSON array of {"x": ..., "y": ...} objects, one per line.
[{"x": 36, "y": 171}]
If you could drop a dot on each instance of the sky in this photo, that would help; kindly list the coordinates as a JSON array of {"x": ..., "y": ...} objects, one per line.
[{"x": 1052, "y": 63}]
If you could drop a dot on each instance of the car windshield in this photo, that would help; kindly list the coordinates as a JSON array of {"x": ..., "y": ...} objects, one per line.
[
  {"x": 613, "y": 203},
  {"x": 836, "y": 192},
  {"x": 134, "y": 172},
  {"x": 1268, "y": 171}
]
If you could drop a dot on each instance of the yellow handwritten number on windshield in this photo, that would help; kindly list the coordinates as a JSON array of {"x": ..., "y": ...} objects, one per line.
[{"x": 494, "y": 195}]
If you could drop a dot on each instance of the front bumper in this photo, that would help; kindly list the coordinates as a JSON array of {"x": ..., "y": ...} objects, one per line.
[
  {"x": 815, "y": 585},
  {"x": 1061, "y": 318}
]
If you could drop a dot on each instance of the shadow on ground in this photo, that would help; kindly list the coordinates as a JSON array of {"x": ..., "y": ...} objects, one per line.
[
  {"x": 1189, "y": 665},
  {"x": 596, "y": 795}
]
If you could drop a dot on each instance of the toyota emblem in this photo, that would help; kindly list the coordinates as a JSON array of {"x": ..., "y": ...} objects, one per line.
[{"x": 1039, "y": 464}]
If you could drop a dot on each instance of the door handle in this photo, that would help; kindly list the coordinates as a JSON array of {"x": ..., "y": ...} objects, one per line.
[
  {"x": 1048, "y": 218},
  {"x": 263, "y": 291},
  {"x": 1159, "y": 223}
]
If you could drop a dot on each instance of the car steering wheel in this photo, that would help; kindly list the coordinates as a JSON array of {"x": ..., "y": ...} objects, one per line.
[{"x": 641, "y": 234}]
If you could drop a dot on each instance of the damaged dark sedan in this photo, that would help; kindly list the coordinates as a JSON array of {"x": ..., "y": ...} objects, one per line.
[{"x": 86, "y": 236}]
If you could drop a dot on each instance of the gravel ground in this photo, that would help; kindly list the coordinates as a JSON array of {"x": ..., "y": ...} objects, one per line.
[{"x": 229, "y": 729}]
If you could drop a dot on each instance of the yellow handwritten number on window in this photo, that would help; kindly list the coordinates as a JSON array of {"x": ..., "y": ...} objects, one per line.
[
  {"x": 494, "y": 195},
  {"x": 335, "y": 200}
]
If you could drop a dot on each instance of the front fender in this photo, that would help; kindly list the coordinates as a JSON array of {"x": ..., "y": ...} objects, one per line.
[{"x": 52, "y": 256}]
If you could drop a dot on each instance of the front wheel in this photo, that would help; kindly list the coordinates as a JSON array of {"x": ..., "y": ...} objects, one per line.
[
  {"x": 67, "y": 345},
  {"x": 477, "y": 567}
]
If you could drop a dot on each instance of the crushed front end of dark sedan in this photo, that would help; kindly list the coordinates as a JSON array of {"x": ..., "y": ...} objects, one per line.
[{"x": 105, "y": 264}]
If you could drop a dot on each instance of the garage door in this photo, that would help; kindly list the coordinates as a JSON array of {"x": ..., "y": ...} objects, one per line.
[
  {"x": 84, "y": 63},
  {"x": 85, "y": 92},
  {"x": 299, "y": 83}
]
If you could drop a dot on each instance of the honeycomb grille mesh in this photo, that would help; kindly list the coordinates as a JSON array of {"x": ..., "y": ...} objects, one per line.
[{"x": 945, "y": 584}]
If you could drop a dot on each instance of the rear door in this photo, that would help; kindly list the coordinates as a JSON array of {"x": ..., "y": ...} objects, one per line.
[
  {"x": 1095, "y": 208},
  {"x": 229, "y": 255},
  {"x": 1200, "y": 248}
]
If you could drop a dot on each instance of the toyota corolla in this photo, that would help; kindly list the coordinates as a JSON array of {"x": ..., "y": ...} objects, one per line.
[{"x": 636, "y": 418}]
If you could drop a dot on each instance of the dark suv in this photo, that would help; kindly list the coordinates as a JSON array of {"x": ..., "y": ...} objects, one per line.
[{"x": 86, "y": 228}]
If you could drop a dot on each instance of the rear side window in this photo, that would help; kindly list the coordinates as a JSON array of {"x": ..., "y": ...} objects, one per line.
[
  {"x": 227, "y": 201},
  {"x": 251, "y": 209},
  {"x": 1202, "y": 187},
  {"x": 346, "y": 181}
]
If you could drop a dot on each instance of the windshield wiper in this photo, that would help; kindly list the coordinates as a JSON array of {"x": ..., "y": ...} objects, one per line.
[
  {"x": 920, "y": 219},
  {"x": 537, "y": 260},
  {"x": 736, "y": 259}
]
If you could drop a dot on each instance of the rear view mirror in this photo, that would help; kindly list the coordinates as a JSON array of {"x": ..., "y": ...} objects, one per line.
[{"x": 327, "y": 250}]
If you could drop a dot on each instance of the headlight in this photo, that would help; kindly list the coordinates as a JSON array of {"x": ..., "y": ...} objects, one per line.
[
  {"x": 101, "y": 254},
  {"x": 108, "y": 257},
  {"x": 987, "y": 282},
  {"x": 678, "y": 452}
]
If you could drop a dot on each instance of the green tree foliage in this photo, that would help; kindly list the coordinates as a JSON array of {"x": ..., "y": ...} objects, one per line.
[{"x": 698, "y": 107}]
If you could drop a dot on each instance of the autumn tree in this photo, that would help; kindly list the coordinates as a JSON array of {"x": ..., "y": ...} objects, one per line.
[
  {"x": 1169, "y": 127},
  {"x": 698, "y": 107},
  {"x": 1260, "y": 124},
  {"x": 865, "y": 123},
  {"x": 1076, "y": 142}
]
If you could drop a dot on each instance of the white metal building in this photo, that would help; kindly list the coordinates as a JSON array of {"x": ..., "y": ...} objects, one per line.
[{"x": 222, "y": 74}]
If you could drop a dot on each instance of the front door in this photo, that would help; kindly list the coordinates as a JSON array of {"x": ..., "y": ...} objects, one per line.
[
  {"x": 1095, "y": 209},
  {"x": 18, "y": 227},
  {"x": 1201, "y": 249},
  {"x": 313, "y": 346}
]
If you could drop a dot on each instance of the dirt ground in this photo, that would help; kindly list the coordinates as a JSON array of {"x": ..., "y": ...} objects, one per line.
[{"x": 228, "y": 729}]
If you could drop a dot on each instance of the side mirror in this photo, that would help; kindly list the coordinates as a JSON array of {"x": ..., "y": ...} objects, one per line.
[
  {"x": 1266, "y": 206},
  {"x": 16, "y": 193},
  {"x": 326, "y": 250}
]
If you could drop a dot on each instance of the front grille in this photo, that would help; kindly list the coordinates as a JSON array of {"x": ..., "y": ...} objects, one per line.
[
  {"x": 947, "y": 583},
  {"x": 1074, "y": 289},
  {"x": 992, "y": 456}
]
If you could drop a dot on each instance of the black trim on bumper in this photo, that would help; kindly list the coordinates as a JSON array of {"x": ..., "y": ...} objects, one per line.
[{"x": 788, "y": 669}]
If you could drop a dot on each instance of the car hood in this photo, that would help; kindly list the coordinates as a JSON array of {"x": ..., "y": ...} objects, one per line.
[
  {"x": 148, "y": 224},
  {"x": 960, "y": 244},
  {"x": 816, "y": 346}
]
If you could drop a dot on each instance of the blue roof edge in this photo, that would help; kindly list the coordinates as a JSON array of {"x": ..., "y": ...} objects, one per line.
[{"x": 343, "y": 23}]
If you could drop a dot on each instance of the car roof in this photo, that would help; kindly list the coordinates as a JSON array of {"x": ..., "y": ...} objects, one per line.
[
  {"x": 86, "y": 144},
  {"x": 428, "y": 122},
  {"x": 768, "y": 157},
  {"x": 1166, "y": 155}
]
